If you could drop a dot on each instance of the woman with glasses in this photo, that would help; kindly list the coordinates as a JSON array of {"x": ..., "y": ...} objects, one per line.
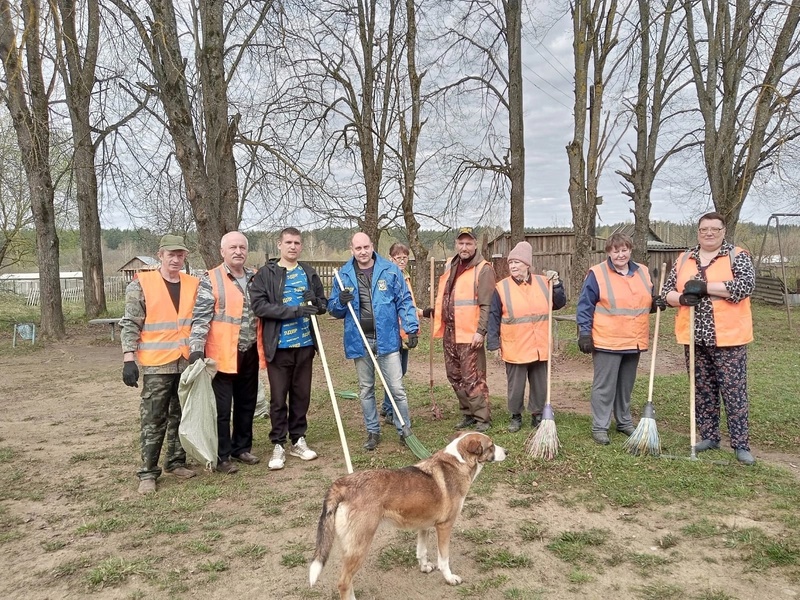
[{"x": 717, "y": 278}]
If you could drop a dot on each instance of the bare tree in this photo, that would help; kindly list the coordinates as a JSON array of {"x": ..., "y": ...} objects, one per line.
[
  {"x": 15, "y": 207},
  {"x": 744, "y": 59},
  {"x": 595, "y": 29},
  {"x": 27, "y": 99},
  {"x": 661, "y": 63}
]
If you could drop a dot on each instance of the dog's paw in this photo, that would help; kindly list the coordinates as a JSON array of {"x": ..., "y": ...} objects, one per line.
[
  {"x": 427, "y": 567},
  {"x": 453, "y": 579}
]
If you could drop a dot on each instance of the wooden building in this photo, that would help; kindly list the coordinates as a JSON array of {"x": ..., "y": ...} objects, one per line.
[{"x": 137, "y": 264}]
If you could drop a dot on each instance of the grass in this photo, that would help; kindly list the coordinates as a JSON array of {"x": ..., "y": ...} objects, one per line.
[
  {"x": 113, "y": 571},
  {"x": 661, "y": 591},
  {"x": 574, "y": 546},
  {"x": 391, "y": 557},
  {"x": 500, "y": 559}
]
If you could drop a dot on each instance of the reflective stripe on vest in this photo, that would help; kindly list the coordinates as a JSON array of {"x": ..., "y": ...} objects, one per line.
[
  {"x": 733, "y": 322},
  {"x": 165, "y": 332},
  {"x": 466, "y": 310},
  {"x": 222, "y": 343},
  {"x": 621, "y": 316},
  {"x": 523, "y": 324}
]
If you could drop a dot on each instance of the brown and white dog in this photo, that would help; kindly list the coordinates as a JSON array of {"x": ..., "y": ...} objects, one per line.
[{"x": 428, "y": 494}]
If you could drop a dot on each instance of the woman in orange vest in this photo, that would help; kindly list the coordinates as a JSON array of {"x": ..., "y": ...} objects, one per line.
[
  {"x": 518, "y": 328},
  {"x": 716, "y": 278},
  {"x": 614, "y": 326}
]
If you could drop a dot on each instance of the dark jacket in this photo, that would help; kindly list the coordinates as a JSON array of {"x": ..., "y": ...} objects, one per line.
[{"x": 266, "y": 299}]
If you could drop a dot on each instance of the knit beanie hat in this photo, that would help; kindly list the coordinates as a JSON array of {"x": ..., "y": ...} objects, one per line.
[{"x": 522, "y": 252}]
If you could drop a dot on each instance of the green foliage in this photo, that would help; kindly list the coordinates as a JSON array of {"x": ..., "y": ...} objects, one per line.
[
  {"x": 113, "y": 571},
  {"x": 502, "y": 558},
  {"x": 391, "y": 557}
]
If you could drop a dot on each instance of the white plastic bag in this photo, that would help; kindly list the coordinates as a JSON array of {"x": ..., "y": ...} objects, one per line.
[{"x": 198, "y": 428}]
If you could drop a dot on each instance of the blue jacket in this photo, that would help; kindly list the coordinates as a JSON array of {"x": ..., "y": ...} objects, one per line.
[{"x": 391, "y": 302}]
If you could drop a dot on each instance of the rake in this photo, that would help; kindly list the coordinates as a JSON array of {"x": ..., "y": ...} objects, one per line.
[
  {"x": 644, "y": 440},
  {"x": 410, "y": 439},
  {"x": 335, "y": 404},
  {"x": 544, "y": 442}
]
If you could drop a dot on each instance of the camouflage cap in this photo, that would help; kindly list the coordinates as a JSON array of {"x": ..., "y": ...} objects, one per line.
[
  {"x": 172, "y": 242},
  {"x": 466, "y": 231}
]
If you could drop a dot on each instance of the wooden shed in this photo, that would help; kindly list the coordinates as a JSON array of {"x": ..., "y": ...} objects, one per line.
[{"x": 137, "y": 264}]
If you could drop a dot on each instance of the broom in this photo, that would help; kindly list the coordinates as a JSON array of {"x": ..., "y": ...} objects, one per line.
[
  {"x": 437, "y": 412},
  {"x": 544, "y": 442},
  {"x": 336, "y": 414},
  {"x": 644, "y": 440},
  {"x": 410, "y": 439}
]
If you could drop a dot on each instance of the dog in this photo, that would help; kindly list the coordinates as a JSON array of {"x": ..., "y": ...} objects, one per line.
[{"x": 428, "y": 494}]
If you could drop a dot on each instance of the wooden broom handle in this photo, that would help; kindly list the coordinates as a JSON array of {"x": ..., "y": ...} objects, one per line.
[
  {"x": 430, "y": 304},
  {"x": 655, "y": 338},
  {"x": 549, "y": 336}
]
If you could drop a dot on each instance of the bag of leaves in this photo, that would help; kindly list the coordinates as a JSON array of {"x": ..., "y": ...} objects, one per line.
[{"x": 198, "y": 428}]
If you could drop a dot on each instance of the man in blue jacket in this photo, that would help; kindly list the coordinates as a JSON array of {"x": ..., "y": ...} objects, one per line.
[{"x": 378, "y": 293}]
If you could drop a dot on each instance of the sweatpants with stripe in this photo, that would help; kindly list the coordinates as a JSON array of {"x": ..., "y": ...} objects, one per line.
[
  {"x": 614, "y": 376},
  {"x": 721, "y": 372}
]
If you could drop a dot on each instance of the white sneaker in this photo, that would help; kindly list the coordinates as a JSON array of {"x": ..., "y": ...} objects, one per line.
[
  {"x": 301, "y": 450},
  {"x": 278, "y": 458}
]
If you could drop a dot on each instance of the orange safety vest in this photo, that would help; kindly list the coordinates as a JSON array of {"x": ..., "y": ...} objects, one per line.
[
  {"x": 165, "y": 333},
  {"x": 622, "y": 315},
  {"x": 222, "y": 342},
  {"x": 523, "y": 324},
  {"x": 733, "y": 322},
  {"x": 466, "y": 310}
]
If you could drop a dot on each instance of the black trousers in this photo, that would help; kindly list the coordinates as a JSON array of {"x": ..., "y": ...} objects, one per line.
[
  {"x": 290, "y": 393},
  {"x": 239, "y": 392}
]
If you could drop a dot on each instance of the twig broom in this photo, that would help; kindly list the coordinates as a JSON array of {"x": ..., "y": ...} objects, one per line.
[
  {"x": 544, "y": 442},
  {"x": 411, "y": 440},
  {"x": 437, "y": 412},
  {"x": 644, "y": 440}
]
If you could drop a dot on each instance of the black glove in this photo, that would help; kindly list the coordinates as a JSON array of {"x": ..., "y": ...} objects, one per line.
[
  {"x": 658, "y": 304},
  {"x": 696, "y": 287},
  {"x": 345, "y": 297},
  {"x": 130, "y": 373},
  {"x": 585, "y": 343},
  {"x": 306, "y": 310},
  {"x": 195, "y": 356},
  {"x": 689, "y": 300},
  {"x": 309, "y": 296},
  {"x": 412, "y": 340},
  {"x": 427, "y": 313}
]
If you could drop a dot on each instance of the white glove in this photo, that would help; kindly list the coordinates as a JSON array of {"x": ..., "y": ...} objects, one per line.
[{"x": 552, "y": 276}]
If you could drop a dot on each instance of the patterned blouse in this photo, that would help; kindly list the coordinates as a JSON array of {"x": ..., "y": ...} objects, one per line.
[{"x": 740, "y": 287}]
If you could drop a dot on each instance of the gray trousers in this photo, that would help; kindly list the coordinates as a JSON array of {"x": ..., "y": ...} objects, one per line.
[
  {"x": 614, "y": 375},
  {"x": 533, "y": 373}
]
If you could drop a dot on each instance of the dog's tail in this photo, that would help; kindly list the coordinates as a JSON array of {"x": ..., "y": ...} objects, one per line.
[{"x": 326, "y": 534}]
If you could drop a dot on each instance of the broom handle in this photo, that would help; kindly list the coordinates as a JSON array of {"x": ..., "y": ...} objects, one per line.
[
  {"x": 655, "y": 339},
  {"x": 343, "y": 439},
  {"x": 549, "y": 336},
  {"x": 693, "y": 424},
  {"x": 430, "y": 343},
  {"x": 371, "y": 354}
]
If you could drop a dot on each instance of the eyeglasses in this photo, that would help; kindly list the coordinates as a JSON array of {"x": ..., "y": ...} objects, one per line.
[
  {"x": 710, "y": 229},
  {"x": 402, "y": 257}
]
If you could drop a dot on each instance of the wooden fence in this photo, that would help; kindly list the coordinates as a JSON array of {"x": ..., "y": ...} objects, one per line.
[{"x": 114, "y": 286}]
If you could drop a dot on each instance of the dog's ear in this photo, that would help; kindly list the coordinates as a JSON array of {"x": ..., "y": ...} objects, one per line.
[{"x": 475, "y": 447}]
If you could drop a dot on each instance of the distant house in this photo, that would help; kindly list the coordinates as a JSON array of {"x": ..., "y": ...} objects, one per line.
[
  {"x": 547, "y": 240},
  {"x": 138, "y": 264},
  {"x": 24, "y": 283}
]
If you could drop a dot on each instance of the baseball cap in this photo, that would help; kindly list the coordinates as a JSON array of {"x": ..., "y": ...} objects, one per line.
[
  {"x": 466, "y": 231},
  {"x": 172, "y": 242}
]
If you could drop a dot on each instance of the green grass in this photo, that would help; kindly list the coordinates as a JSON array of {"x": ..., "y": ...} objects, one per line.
[
  {"x": 115, "y": 570},
  {"x": 500, "y": 559},
  {"x": 292, "y": 559},
  {"x": 661, "y": 591},
  {"x": 574, "y": 546},
  {"x": 531, "y": 532},
  {"x": 391, "y": 557}
]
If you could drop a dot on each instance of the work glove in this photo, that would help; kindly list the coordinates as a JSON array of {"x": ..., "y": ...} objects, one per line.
[
  {"x": 427, "y": 312},
  {"x": 345, "y": 297},
  {"x": 195, "y": 356},
  {"x": 658, "y": 304},
  {"x": 309, "y": 296},
  {"x": 307, "y": 310},
  {"x": 553, "y": 276},
  {"x": 130, "y": 373},
  {"x": 412, "y": 340},
  {"x": 585, "y": 343},
  {"x": 689, "y": 300},
  {"x": 696, "y": 287}
]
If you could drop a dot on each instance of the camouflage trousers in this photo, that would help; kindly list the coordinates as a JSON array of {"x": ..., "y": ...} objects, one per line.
[
  {"x": 466, "y": 371},
  {"x": 160, "y": 416}
]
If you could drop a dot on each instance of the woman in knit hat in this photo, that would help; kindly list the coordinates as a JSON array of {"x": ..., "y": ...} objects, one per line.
[{"x": 518, "y": 328}]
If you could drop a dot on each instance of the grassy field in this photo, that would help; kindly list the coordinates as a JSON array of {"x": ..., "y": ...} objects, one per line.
[{"x": 592, "y": 523}]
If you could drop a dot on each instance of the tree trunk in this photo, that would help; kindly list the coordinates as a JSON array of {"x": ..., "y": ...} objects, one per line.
[
  {"x": 32, "y": 126},
  {"x": 78, "y": 74},
  {"x": 516, "y": 122}
]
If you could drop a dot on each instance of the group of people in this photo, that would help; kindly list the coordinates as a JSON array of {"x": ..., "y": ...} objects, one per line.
[
  {"x": 245, "y": 319},
  {"x": 710, "y": 285}
]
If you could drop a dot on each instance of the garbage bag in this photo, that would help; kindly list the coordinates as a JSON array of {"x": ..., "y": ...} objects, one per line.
[
  {"x": 198, "y": 428},
  {"x": 262, "y": 404}
]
